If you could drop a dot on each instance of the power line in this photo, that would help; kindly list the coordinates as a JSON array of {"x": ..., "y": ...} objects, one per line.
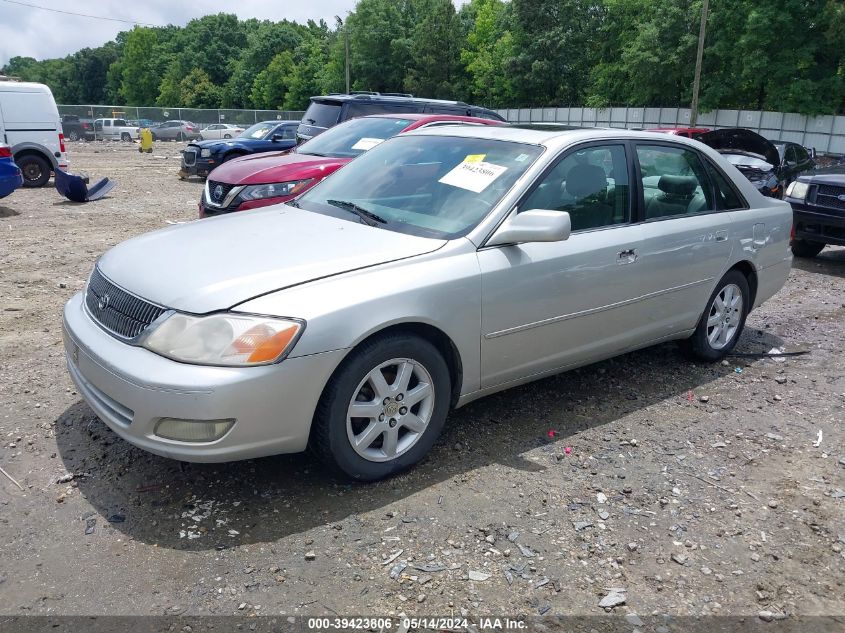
[{"x": 80, "y": 15}]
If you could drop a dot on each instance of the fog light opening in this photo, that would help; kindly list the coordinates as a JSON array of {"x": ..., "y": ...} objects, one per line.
[{"x": 193, "y": 430}]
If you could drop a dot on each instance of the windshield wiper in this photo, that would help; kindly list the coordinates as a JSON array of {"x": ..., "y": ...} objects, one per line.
[{"x": 368, "y": 217}]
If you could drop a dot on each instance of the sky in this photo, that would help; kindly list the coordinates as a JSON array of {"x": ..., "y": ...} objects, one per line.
[{"x": 44, "y": 34}]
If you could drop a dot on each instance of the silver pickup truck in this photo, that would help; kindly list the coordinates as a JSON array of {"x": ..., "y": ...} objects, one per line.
[{"x": 114, "y": 130}]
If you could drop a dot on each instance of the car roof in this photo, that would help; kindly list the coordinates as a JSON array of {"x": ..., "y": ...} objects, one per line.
[
  {"x": 396, "y": 98},
  {"x": 278, "y": 122},
  {"x": 425, "y": 118},
  {"x": 551, "y": 138}
]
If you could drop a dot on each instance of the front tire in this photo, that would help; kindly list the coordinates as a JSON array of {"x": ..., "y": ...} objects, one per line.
[
  {"x": 36, "y": 170},
  {"x": 723, "y": 320},
  {"x": 806, "y": 248},
  {"x": 383, "y": 409},
  {"x": 125, "y": 136}
]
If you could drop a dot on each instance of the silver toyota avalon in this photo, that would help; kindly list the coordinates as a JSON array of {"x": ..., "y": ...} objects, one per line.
[{"x": 437, "y": 268}]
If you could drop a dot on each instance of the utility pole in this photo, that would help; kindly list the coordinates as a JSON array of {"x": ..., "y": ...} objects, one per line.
[
  {"x": 346, "y": 43},
  {"x": 696, "y": 84}
]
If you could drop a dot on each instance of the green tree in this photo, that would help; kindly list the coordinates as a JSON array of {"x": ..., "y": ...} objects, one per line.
[
  {"x": 485, "y": 55},
  {"x": 434, "y": 68},
  {"x": 270, "y": 85}
]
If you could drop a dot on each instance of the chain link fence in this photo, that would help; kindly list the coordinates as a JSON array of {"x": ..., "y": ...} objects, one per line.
[{"x": 201, "y": 117}]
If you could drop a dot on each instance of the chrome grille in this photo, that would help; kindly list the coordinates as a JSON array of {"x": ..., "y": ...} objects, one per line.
[
  {"x": 829, "y": 196},
  {"x": 116, "y": 310},
  {"x": 189, "y": 156}
]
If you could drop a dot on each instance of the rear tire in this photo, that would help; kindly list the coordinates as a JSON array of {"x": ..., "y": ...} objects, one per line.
[
  {"x": 723, "y": 320},
  {"x": 125, "y": 136},
  {"x": 73, "y": 135},
  {"x": 227, "y": 136},
  {"x": 36, "y": 170},
  {"x": 806, "y": 248},
  {"x": 388, "y": 436}
]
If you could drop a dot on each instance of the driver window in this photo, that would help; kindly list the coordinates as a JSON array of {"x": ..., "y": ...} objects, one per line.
[{"x": 591, "y": 184}]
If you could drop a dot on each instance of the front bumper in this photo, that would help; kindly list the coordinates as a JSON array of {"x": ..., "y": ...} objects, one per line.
[
  {"x": 201, "y": 167},
  {"x": 817, "y": 224},
  {"x": 131, "y": 389}
]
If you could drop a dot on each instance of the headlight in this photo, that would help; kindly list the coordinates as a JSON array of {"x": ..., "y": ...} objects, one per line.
[
  {"x": 205, "y": 153},
  {"x": 797, "y": 190},
  {"x": 228, "y": 338},
  {"x": 259, "y": 192}
]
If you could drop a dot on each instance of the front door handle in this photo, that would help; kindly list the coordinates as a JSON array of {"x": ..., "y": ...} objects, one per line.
[{"x": 628, "y": 256}]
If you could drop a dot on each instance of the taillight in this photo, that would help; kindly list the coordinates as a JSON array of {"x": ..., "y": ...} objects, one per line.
[
  {"x": 5, "y": 152},
  {"x": 61, "y": 143}
]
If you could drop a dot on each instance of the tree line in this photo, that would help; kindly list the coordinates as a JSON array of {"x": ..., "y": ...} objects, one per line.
[{"x": 786, "y": 55}]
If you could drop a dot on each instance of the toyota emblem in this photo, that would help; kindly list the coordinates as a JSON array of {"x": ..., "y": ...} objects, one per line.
[
  {"x": 103, "y": 302},
  {"x": 218, "y": 193}
]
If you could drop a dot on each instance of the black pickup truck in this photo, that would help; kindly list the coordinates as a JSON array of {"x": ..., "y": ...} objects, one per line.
[
  {"x": 76, "y": 129},
  {"x": 818, "y": 206}
]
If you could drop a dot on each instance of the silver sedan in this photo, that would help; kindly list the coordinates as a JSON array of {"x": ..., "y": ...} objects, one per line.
[{"x": 437, "y": 268}]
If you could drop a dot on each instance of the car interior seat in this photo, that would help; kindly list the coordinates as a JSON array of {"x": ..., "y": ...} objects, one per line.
[{"x": 677, "y": 196}]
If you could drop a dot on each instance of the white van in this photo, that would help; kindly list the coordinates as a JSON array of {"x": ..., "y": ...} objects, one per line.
[{"x": 30, "y": 123}]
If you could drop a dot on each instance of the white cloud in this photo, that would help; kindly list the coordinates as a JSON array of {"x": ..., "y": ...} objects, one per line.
[{"x": 44, "y": 34}]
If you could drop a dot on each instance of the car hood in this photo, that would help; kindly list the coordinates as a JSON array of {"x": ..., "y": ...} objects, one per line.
[
  {"x": 834, "y": 175},
  {"x": 741, "y": 141},
  {"x": 216, "y": 144},
  {"x": 216, "y": 263},
  {"x": 275, "y": 167}
]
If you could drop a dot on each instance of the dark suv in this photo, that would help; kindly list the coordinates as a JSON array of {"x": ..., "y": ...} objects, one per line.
[
  {"x": 818, "y": 205},
  {"x": 328, "y": 110}
]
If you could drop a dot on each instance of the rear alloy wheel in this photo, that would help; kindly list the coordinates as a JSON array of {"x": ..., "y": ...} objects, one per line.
[
  {"x": 227, "y": 136},
  {"x": 806, "y": 248},
  {"x": 383, "y": 409},
  {"x": 36, "y": 170},
  {"x": 73, "y": 135},
  {"x": 724, "y": 319}
]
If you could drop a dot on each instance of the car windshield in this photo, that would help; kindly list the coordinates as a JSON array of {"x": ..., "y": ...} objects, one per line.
[
  {"x": 349, "y": 139},
  {"x": 321, "y": 114},
  {"x": 431, "y": 186},
  {"x": 259, "y": 130}
]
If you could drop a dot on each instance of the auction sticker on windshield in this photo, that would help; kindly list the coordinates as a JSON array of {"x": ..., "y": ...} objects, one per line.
[
  {"x": 367, "y": 143},
  {"x": 473, "y": 176}
]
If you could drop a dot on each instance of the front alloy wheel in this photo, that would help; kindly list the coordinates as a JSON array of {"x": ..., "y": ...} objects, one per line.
[
  {"x": 383, "y": 409},
  {"x": 390, "y": 410}
]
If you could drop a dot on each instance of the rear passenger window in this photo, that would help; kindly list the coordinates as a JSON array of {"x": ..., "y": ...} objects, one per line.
[
  {"x": 726, "y": 196},
  {"x": 674, "y": 182},
  {"x": 591, "y": 184}
]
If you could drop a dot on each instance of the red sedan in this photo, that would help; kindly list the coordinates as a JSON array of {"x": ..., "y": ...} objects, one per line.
[{"x": 273, "y": 177}]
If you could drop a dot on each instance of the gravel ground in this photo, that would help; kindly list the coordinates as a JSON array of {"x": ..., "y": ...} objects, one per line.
[{"x": 661, "y": 485}]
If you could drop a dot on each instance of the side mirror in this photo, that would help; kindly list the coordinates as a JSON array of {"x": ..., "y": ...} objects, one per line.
[{"x": 536, "y": 225}]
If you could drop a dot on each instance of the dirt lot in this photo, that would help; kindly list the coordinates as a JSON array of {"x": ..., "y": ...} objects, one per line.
[{"x": 696, "y": 489}]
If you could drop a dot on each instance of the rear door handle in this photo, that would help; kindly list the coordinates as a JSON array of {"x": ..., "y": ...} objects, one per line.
[
  {"x": 628, "y": 256},
  {"x": 721, "y": 236}
]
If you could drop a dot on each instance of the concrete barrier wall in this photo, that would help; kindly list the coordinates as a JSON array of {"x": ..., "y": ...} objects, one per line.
[{"x": 825, "y": 133}]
